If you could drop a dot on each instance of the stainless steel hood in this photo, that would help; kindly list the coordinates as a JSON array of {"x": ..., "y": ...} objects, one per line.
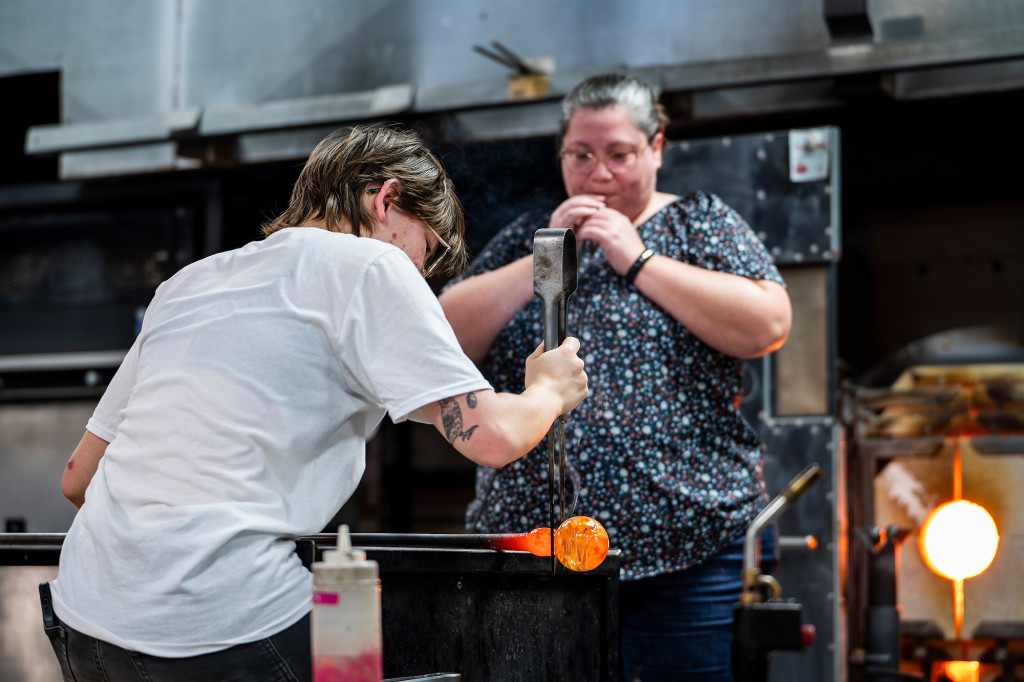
[{"x": 180, "y": 85}]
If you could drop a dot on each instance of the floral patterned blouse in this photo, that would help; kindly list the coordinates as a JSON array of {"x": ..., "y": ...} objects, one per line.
[{"x": 658, "y": 452}]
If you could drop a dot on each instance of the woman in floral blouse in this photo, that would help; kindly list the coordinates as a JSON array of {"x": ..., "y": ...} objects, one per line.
[{"x": 673, "y": 293}]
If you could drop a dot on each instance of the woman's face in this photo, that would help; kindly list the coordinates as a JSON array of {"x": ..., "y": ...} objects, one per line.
[{"x": 609, "y": 134}]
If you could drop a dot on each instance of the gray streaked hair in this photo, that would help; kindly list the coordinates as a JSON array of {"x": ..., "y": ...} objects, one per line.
[{"x": 611, "y": 89}]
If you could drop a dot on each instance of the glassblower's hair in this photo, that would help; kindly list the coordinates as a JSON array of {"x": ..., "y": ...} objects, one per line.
[{"x": 348, "y": 161}]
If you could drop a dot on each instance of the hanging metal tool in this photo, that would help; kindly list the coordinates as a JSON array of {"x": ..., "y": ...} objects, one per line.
[
  {"x": 554, "y": 280},
  {"x": 506, "y": 57}
]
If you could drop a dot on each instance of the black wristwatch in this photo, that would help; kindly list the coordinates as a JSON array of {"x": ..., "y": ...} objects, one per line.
[{"x": 637, "y": 264}]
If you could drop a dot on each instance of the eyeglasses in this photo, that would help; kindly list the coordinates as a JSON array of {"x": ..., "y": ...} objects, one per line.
[
  {"x": 434, "y": 254},
  {"x": 617, "y": 161}
]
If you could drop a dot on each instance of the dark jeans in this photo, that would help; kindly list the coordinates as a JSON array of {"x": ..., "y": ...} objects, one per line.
[
  {"x": 284, "y": 657},
  {"x": 677, "y": 627}
]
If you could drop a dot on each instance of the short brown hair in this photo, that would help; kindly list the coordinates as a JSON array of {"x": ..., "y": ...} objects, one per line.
[{"x": 346, "y": 162}]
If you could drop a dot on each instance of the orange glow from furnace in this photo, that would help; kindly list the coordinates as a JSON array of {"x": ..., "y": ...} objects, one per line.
[
  {"x": 959, "y": 540},
  {"x": 962, "y": 671}
]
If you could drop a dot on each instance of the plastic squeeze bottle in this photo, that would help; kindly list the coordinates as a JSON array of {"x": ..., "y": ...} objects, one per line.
[{"x": 346, "y": 630}]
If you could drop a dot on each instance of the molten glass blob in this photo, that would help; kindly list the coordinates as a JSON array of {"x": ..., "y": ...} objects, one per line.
[
  {"x": 581, "y": 543},
  {"x": 959, "y": 540}
]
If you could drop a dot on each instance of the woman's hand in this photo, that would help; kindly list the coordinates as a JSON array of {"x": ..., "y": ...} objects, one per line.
[
  {"x": 616, "y": 236},
  {"x": 573, "y": 211}
]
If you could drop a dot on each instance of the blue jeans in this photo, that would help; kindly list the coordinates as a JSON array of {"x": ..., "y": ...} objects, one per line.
[
  {"x": 677, "y": 627},
  {"x": 284, "y": 657}
]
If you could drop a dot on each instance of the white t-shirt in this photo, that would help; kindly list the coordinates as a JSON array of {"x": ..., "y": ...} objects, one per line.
[{"x": 237, "y": 422}]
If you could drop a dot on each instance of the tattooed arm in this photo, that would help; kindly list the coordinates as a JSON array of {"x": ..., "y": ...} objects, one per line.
[
  {"x": 494, "y": 429},
  {"x": 81, "y": 467}
]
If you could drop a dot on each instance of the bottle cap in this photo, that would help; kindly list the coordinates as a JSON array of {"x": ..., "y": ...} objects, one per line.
[{"x": 344, "y": 564}]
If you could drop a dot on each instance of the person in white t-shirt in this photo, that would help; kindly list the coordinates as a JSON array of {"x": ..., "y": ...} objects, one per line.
[{"x": 239, "y": 418}]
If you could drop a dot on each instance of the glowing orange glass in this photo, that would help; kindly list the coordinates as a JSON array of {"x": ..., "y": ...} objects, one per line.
[{"x": 581, "y": 543}]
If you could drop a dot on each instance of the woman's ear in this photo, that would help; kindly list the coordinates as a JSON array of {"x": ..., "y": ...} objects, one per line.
[
  {"x": 658, "y": 141},
  {"x": 382, "y": 199},
  {"x": 657, "y": 146}
]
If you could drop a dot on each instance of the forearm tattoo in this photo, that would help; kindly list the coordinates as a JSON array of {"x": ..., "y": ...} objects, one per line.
[{"x": 451, "y": 418}]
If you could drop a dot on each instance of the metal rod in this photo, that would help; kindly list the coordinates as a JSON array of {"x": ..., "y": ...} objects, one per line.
[
  {"x": 561, "y": 469},
  {"x": 552, "y": 495},
  {"x": 31, "y": 539},
  {"x": 500, "y": 541},
  {"x": 797, "y": 487}
]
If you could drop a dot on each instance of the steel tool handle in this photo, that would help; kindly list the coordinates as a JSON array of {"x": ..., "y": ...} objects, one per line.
[
  {"x": 554, "y": 279},
  {"x": 555, "y": 323}
]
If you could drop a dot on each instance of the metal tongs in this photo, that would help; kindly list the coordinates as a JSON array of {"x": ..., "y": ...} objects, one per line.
[
  {"x": 506, "y": 57},
  {"x": 554, "y": 280}
]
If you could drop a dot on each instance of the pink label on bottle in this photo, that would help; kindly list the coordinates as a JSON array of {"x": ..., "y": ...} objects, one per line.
[{"x": 326, "y": 597}]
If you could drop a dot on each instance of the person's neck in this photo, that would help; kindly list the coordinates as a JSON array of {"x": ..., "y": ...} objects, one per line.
[
  {"x": 659, "y": 200},
  {"x": 322, "y": 224}
]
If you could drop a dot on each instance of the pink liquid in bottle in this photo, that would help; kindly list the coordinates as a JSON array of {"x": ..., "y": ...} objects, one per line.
[{"x": 364, "y": 667}]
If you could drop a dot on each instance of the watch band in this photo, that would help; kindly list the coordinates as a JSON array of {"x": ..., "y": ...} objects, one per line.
[{"x": 637, "y": 264}]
